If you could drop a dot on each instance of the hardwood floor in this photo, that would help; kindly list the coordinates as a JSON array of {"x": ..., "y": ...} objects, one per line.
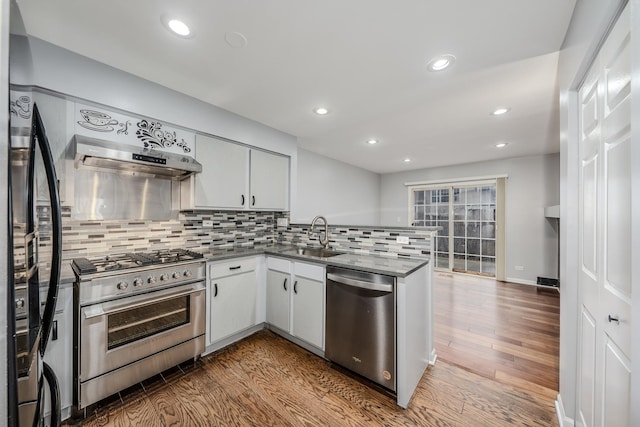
[
  {"x": 502, "y": 331},
  {"x": 268, "y": 381},
  {"x": 497, "y": 365}
]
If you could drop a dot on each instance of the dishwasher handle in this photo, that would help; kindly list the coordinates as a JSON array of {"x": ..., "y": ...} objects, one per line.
[{"x": 359, "y": 283}]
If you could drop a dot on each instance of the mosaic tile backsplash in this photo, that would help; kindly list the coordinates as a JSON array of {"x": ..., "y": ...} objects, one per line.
[
  {"x": 363, "y": 240},
  {"x": 230, "y": 228}
]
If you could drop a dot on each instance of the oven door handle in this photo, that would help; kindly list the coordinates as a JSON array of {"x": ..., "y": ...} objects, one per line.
[{"x": 108, "y": 308}]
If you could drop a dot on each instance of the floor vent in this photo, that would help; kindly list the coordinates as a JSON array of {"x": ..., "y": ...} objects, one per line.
[{"x": 546, "y": 281}]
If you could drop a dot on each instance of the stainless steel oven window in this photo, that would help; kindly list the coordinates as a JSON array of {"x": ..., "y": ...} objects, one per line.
[{"x": 141, "y": 322}]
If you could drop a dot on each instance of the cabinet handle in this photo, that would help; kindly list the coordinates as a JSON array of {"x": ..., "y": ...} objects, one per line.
[
  {"x": 242, "y": 199},
  {"x": 54, "y": 331},
  {"x": 295, "y": 287},
  {"x": 285, "y": 284},
  {"x": 235, "y": 268},
  {"x": 253, "y": 200},
  {"x": 215, "y": 290},
  {"x": 614, "y": 319}
]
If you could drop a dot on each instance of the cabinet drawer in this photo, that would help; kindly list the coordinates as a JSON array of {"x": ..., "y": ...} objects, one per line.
[
  {"x": 229, "y": 268},
  {"x": 279, "y": 264},
  {"x": 310, "y": 271}
]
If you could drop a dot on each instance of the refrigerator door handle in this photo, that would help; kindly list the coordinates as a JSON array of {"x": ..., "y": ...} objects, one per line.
[
  {"x": 39, "y": 133},
  {"x": 31, "y": 240},
  {"x": 54, "y": 392}
]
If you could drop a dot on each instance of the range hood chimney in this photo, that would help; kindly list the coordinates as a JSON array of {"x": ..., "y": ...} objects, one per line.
[{"x": 112, "y": 155}]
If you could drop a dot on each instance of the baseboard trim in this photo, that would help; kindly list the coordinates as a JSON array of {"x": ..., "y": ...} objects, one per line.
[
  {"x": 233, "y": 338},
  {"x": 563, "y": 420},
  {"x": 433, "y": 357},
  {"x": 521, "y": 281}
]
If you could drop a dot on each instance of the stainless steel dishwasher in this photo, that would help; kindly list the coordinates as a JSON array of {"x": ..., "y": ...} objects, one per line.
[{"x": 361, "y": 324}]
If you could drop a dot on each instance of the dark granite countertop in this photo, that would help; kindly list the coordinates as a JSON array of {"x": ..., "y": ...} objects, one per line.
[
  {"x": 399, "y": 267},
  {"x": 67, "y": 276},
  {"x": 66, "y": 273}
]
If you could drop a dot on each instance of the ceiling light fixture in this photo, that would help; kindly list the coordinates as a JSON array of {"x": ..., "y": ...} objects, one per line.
[
  {"x": 235, "y": 39},
  {"x": 441, "y": 62},
  {"x": 407, "y": 160},
  {"x": 372, "y": 141},
  {"x": 501, "y": 145},
  {"x": 179, "y": 27},
  {"x": 176, "y": 26},
  {"x": 321, "y": 111},
  {"x": 500, "y": 111}
]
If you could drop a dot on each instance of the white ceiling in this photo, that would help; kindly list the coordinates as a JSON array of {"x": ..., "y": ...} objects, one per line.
[{"x": 365, "y": 60}]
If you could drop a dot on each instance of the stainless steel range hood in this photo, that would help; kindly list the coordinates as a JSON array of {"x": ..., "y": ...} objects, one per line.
[{"x": 128, "y": 158}]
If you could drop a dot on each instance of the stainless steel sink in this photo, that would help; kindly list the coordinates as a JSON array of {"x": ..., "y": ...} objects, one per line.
[{"x": 314, "y": 252}]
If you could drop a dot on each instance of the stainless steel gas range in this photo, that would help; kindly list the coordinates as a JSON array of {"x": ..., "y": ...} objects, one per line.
[{"x": 136, "y": 314}]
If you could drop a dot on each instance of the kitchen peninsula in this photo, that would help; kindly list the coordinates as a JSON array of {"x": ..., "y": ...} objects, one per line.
[{"x": 413, "y": 293}]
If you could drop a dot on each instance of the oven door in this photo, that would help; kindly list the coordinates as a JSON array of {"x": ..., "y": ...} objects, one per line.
[{"x": 116, "y": 333}]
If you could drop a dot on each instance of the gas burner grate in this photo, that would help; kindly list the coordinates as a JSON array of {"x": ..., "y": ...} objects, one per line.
[
  {"x": 128, "y": 260},
  {"x": 164, "y": 256}
]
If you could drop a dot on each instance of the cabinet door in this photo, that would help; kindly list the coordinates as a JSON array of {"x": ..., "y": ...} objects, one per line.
[
  {"x": 59, "y": 349},
  {"x": 269, "y": 181},
  {"x": 308, "y": 302},
  {"x": 223, "y": 181},
  {"x": 233, "y": 305},
  {"x": 278, "y": 287}
]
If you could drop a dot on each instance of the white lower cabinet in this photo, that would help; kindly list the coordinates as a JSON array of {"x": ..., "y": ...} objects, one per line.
[
  {"x": 278, "y": 299},
  {"x": 231, "y": 298},
  {"x": 308, "y": 304},
  {"x": 296, "y": 299},
  {"x": 58, "y": 353}
]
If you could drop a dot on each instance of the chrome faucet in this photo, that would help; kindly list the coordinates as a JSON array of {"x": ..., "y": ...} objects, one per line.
[{"x": 324, "y": 242}]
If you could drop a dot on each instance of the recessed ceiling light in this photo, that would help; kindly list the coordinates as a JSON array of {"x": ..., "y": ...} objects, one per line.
[
  {"x": 235, "y": 39},
  {"x": 500, "y": 111},
  {"x": 321, "y": 111},
  {"x": 501, "y": 145},
  {"x": 441, "y": 62},
  {"x": 372, "y": 141},
  {"x": 179, "y": 27},
  {"x": 176, "y": 26},
  {"x": 407, "y": 160}
]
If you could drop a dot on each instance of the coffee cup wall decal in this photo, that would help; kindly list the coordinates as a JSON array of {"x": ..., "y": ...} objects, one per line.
[
  {"x": 21, "y": 107},
  {"x": 128, "y": 129},
  {"x": 97, "y": 121}
]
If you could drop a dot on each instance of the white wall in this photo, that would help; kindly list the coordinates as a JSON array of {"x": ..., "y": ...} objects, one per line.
[
  {"x": 50, "y": 67},
  {"x": 69, "y": 73},
  {"x": 344, "y": 194},
  {"x": 589, "y": 24},
  {"x": 532, "y": 184}
]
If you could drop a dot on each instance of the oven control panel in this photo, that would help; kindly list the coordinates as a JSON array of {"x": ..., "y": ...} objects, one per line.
[{"x": 103, "y": 287}]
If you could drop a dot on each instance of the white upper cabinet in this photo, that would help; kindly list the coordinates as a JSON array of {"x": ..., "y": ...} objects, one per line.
[
  {"x": 236, "y": 177},
  {"x": 269, "y": 181},
  {"x": 223, "y": 182}
]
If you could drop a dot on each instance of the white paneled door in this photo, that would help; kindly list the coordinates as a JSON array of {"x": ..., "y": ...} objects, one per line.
[{"x": 604, "y": 346}]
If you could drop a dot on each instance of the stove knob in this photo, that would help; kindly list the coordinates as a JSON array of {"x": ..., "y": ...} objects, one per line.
[
  {"x": 122, "y": 286},
  {"x": 151, "y": 279},
  {"x": 177, "y": 275},
  {"x": 137, "y": 282},
  {"x": 20, "y": 303},
  {"x": 187, "y": 273},
  {"x": 164, "y": 277}
]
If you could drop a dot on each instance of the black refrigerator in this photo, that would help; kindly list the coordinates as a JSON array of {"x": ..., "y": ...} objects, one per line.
[{"x": 35, "y": 237}]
